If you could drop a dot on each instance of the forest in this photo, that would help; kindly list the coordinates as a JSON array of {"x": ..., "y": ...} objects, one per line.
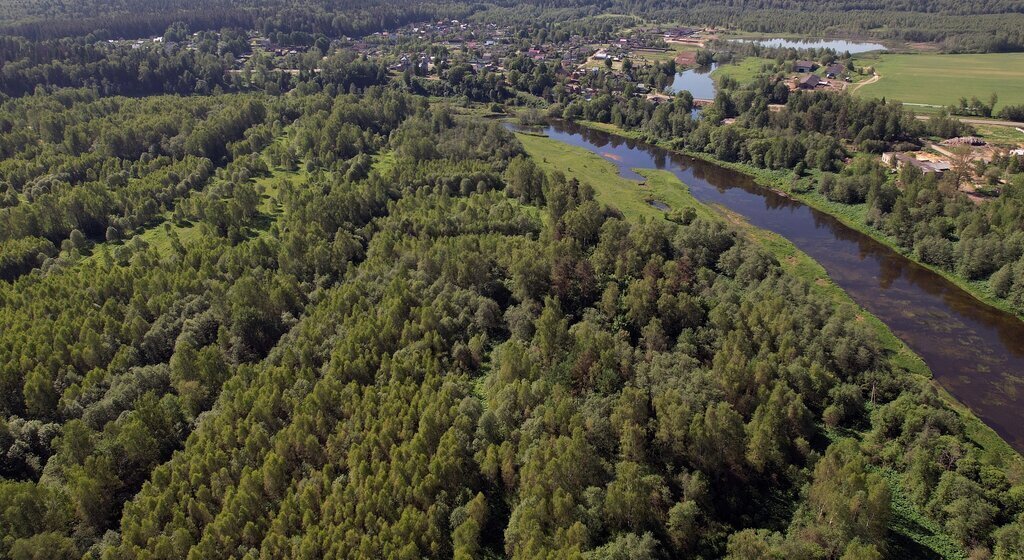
[
  {"x": 992, "y": 26},
  {"x": 360, "y": 325},
  {"x": 340, "y": 312},
  {"x": 416, "y": 343}
]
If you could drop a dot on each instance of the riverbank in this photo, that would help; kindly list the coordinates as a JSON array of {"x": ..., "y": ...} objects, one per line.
[
  {"x": 633, "y": 199},
  {"x": 602, "y": 171},
  {"x": 852, "y": 216}
]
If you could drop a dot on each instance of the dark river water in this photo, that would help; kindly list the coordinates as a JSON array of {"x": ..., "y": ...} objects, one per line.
[{"x": 974, "y": 350}]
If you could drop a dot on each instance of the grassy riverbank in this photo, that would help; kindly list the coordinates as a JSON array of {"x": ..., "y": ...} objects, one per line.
[{"x": 851, "y": 215}]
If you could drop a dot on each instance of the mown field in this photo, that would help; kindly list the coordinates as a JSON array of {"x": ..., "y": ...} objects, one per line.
[{"x": 942, "y": 79}]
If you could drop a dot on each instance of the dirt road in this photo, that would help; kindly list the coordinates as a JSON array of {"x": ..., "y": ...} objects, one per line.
[
  {"x": 874, "y": 78},
  {"x": 976, "y": 120}
]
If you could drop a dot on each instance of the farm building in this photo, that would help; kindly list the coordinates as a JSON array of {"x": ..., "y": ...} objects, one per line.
[
  {"x": 809, "y": 81},
  {"x": 805, "y": 66},
  {"x": 834, "y": 70}
]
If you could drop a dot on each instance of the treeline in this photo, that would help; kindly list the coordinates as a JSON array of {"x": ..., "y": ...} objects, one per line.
[
  {"x": 154, "y": 68},
  {"x": 993, "y": 26},
  {"x": 38, "y": 20},
  {"x": 939, "y": 225},
  {"x": 807, "y": 135}
]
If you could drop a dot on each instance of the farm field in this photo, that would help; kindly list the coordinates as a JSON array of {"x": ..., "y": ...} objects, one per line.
[{"x": 937, "y": 79}]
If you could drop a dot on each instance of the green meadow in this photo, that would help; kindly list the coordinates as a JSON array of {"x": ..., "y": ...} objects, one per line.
[{"x": 942, "y": 79}]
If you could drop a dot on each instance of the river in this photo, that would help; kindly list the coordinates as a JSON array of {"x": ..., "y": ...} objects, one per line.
[{"x": 975, "y": 351}]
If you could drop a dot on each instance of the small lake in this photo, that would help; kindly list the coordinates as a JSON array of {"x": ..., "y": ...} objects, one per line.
[
  {"x": 838, "y": 45},
  {"x": 975, "y": 351},
  {"x": 695, "y": 80}
]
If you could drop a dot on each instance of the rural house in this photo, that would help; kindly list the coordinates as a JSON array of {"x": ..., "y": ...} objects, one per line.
[
  {"x": 809, "y": 81},
  {"x": 805, "y": 66},
  {"x": 834, "y": 70}
]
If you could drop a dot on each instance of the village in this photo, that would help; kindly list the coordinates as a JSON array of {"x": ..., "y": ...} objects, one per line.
[{"x": 428, "y": 49}]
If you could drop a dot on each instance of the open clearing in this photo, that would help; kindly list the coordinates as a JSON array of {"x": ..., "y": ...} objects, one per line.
[
  {"x": 942, "y": 79},
  {"x": 744, "y": 70}
]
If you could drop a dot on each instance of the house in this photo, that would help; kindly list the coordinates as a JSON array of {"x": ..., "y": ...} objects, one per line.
[
  {"x": 805, "y": 66},
  {"x": 809, "y": 81},
  {"x": 834, "y": 70}
]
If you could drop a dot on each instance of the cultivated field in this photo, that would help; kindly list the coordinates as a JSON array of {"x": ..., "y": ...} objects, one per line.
[{"x": 938, "y": 79}]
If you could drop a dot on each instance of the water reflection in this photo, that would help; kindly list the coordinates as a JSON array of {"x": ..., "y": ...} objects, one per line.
[
  {"x": 695, "y": 80},
  {"x": 975, "y": 351},
  {"x": 838, "y": 45}
]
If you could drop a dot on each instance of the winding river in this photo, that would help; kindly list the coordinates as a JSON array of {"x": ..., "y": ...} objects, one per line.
[{"x": 974, "y": 350}]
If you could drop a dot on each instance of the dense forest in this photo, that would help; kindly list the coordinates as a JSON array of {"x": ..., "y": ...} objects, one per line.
[
  {"x": 990, "y": 26},
  {"x": 362, "y": 326}
]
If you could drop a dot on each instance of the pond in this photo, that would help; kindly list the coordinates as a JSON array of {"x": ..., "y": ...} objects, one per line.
[
  {"x": 838, "y": 45},
  {"x": 695, "y": 80},
  {"x": 975, "y": 351}
]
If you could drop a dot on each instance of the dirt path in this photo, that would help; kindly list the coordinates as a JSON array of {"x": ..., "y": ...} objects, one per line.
[
  {"x": 975, "y": 120},
  {"x": 874, "y": 78}
]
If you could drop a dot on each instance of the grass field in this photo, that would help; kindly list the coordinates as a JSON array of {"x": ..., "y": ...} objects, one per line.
[
  {"x": 942, "y": 79},
  {"x": 742, "y": 71},
  {"x": 654, "y": 56}
]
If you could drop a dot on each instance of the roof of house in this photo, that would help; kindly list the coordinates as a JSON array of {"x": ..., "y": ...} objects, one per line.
[
  {"x": 805, "y": 64},
  {"x": 810, "y": 80},
  {"x": 835, "y": 68}
]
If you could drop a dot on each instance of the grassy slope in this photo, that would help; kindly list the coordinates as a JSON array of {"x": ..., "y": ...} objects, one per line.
[
  {"x": 910, "y": 528},
  {"x": 942, "y": 79}
]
